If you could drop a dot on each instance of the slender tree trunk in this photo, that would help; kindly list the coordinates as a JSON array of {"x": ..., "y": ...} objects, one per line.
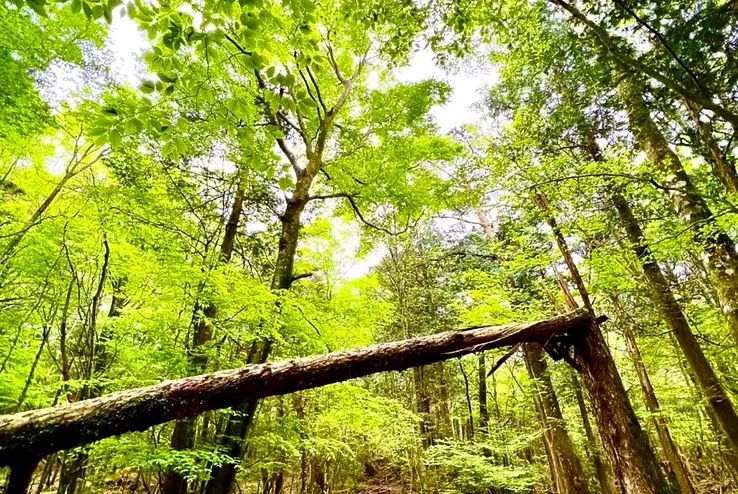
[
  {"x": 483, "y": 410},
  {"x": 554, "y": 467},
  {"x": 34, "y": 219},
  {"x": 74, "y": 465},
  {"x": 183, "y": 435},
  {"x": 727, "y": 456},
  {"x": 625, "y": 442},
  {"x": 668, "y": 446},
  {"x": 233, "y": 439},
  {"x": 422, "y": 406},
  {"x": 469, "y": 408},
  {"x": 605, "y": 480},
  {"x": 604, "y": 474},
  {"x": 44, "y": 338},
  {"x": 675, "y": 318},
  {"x": 444, "y": 427},
  {"x": 719, "y": 250},
  {"x": 572, "y": 479},
  {"x": 74, "y": 167}
]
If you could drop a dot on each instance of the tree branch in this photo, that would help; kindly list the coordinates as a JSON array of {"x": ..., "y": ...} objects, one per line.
[
  {"x": 317, "y": 89},
  {"x": 665, "y": 44},
  {"x": 631, "y": 63}
]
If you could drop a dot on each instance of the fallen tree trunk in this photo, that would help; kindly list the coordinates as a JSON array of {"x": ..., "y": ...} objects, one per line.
[{"x": 37, "y": 433}]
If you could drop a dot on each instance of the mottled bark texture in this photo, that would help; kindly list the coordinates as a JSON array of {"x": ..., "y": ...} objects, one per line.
[
  {"x": 570, "y": 478},
  {"x": 677, "y": 322},
  {"x": 633, "y": 461},
  {"x": 604, "y": 473},
  {"x": 719, "y": 252}
]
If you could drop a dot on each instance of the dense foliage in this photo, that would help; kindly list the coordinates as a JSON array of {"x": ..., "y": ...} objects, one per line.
[{"x": 272, "y": 187}]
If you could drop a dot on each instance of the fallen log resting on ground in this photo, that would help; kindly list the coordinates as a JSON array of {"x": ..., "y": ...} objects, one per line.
[{"x": 27, "y": 437}]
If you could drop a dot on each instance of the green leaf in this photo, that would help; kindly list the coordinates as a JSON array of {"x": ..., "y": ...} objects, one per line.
[
  {"x": 285, "y": 183},
  {"x": 115, "y": 139},
  {"x": 97, "y": 131},
  {"x": 167, "y": 76},
  {"x": 148, "y": 87}
]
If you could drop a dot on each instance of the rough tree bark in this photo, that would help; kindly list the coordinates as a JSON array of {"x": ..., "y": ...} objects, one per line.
[
  {"x": 571, "y": 478},
  {"x": 625, "y": 442},
  {"x": 719, "y": 250},
  {"x": 604, "y": 473},
  {"x": 26, "y": 437},
  {"x": 677, "y": 321},
  {"x": 668, "y": 446}
]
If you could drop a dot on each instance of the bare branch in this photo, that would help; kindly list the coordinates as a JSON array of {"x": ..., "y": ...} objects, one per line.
[
  {"x": 317, "y": 89},
  {"x": 334, "y": 64},
  {"x": 310, "y": 92}
]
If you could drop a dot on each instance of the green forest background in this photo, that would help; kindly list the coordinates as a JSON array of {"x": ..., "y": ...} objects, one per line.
[{"x": 270, "y": 189}]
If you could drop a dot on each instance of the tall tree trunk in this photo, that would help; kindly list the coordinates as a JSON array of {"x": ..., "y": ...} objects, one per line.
[
  {"x": 554, "y": 467},
  {"x": 443, "y": 428},
  {"x": 572, "y": 479},
  {"x": 233, "y": 440},
  {"x": 727, "y": 456},
  {"x": 719, "y": 250},
  {"x": 625, "y": 442},
  {"x": 668, "y": 446},
  {"x": 675, "y": 318},
  {"x": 604, "y": 474},
  {"x": 183, "y": 435},
  {"x": 422, "y": 406}
]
